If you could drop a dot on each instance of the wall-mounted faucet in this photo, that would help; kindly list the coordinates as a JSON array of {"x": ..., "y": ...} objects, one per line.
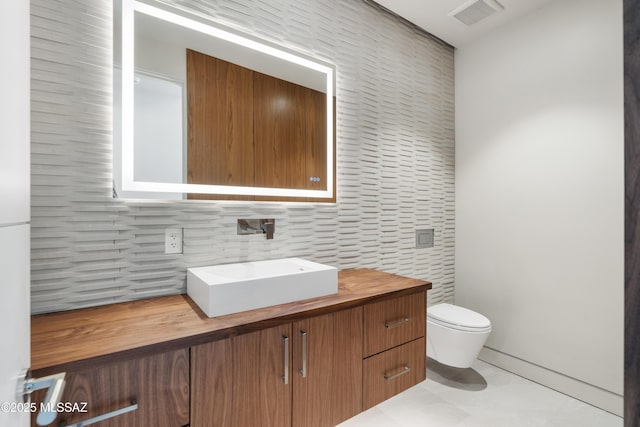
[
  {"x": 257, "y": 226},
  {"x": 269, "y": 228}
]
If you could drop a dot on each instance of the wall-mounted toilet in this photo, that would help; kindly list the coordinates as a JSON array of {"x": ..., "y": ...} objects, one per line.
[{"x": 455, "y": 335}]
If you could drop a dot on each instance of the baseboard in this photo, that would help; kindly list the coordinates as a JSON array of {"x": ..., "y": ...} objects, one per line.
[{"x": 593, "y": 395}]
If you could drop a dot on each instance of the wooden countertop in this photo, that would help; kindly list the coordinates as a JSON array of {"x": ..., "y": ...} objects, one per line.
[{"x": 78, "y": 339}]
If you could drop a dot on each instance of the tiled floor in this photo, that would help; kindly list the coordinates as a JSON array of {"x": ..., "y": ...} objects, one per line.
[{"x": 482, "y": 396}]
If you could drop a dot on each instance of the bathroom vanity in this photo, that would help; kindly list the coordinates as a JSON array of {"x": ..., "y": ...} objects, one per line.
[{"x": 163, "y": 362}]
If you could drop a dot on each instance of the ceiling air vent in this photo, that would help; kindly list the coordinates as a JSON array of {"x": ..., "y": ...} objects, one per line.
[{"x": 475, "y": 11}]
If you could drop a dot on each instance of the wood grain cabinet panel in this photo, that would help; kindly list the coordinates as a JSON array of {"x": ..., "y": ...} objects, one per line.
[
  {"x": 316, "y": 139},
  {"x": 220, "y": 147},
  {"x": 279, "y": 132},
  {"x": 246, "y": 128},
  {"x": 158, "y": 383},
  {"x": 393, "y": 322},
  {"x": 390, "y": 372},
  {"x": 239, "y": 381},
  {"x": 327, "y": 368}
]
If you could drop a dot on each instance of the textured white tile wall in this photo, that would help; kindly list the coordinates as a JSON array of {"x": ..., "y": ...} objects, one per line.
[{"x": 395, "y": 147}]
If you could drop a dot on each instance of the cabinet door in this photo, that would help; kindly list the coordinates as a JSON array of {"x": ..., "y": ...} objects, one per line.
[
  {"x": 159, "y": 384},
  {"x": 327, "y": 368},
  {"x": 240, "y": 381}
]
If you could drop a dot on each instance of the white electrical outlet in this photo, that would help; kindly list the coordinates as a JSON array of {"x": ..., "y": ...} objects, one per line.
[{"x": 173, "y": 241}]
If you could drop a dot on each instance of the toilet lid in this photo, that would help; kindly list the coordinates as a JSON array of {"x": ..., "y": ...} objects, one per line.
[{"x": 454, "y": 315}]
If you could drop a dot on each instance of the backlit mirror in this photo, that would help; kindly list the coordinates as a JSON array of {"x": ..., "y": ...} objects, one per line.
[{"x": 201, "y": 109}]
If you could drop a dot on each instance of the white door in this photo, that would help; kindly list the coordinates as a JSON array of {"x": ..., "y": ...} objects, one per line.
[
  {"x": 14, "y": 318},
  {"x": 14, "y": 207}
]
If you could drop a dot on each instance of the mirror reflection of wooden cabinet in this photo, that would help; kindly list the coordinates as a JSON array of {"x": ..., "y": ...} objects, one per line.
[
  {"x": 246, "y": 128},
  {"x": 220, "y": 116}
]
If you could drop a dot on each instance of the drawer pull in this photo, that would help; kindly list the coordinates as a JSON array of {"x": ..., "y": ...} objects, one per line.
[
  {"x": 405, "y": 370},
  {"x": 396, "y": 324},
  {"x": 285, "y": 377},
  {"x": 108, "y": 415}
]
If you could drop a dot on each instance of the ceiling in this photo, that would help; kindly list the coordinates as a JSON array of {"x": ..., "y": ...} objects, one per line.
[{"x": 432, "y": 15}]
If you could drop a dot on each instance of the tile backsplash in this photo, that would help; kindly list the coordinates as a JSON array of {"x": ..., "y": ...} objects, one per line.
[{"x": 395, "y": 149}]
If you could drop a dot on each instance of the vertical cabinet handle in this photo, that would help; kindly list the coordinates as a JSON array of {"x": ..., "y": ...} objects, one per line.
[
  {"x": 285, "y": 377},
  {"x": 303, "y": 371}
]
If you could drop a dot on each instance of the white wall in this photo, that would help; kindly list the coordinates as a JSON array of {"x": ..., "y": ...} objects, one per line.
[
  {"x": 14, "y": 117},
  {"x": 14, "y": 205},
  {"x": 539, "y": 195}
]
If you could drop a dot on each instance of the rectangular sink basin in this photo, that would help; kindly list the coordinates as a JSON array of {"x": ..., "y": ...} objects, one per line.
[{"x": 231, "y": 288}]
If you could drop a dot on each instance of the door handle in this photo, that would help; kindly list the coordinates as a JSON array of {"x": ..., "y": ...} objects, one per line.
[
  {"x": 303, "y": 371},
  {"x": 285, "y": 376},
  {"x": 54, "y": 384}
]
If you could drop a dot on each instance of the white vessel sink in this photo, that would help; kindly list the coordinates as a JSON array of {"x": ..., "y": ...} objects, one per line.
[{"x": 231, "y": 288}]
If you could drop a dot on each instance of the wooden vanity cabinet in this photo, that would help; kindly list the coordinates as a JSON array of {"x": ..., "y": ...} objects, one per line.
[
  {"x": 158, "y": 383},
  {"x": 306, "y": 373},
  {"x": 341, "y": 354}
]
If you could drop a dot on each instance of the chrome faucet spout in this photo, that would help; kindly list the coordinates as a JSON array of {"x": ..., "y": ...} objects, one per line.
[{"x": 268, "y": 228}]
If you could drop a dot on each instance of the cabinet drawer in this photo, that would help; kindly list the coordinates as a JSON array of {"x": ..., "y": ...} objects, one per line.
[
  {"x": 388, "y": 373},
  {"x": 393, "y": 322}
]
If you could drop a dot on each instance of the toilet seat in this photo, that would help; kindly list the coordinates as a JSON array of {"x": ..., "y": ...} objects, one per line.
[{"x": 458, "y": 318}]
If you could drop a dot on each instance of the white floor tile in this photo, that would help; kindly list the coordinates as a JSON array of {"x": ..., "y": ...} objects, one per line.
[{"x": 483, "y": 396}]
